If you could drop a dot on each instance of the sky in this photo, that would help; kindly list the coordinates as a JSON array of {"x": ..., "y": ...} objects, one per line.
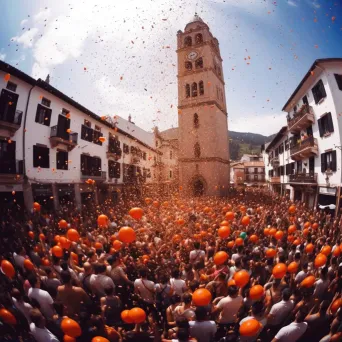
[{"x": 119, "y": 57}]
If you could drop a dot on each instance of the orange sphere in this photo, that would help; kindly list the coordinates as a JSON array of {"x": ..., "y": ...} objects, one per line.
[
  {"x": 256, "y": 292},
  {"x": 230, "y": 244},
  {"x": 249, "y": 327},
  {"x": 7, "y": 317},
  {"x": 147, "y": 201},
  {"x": 290, "y": 238},
  {"x": 102, "y": 221},
  {"x": 67, "y": 338},
  {"x": 137, "y": 315},
  {"x": 307, "y": 224},
  {"x": 57, "y": 251},
  {"x": 220, "y": 258},
  {"x": 224, "y": 223},
  {"x": 230, "y": 216},
  {"x": 117, "y": 244},
  {"x": 36, "y": 206},
  {"x": 127, "y": 234},
  {"x": 156, "y": 204},
  {"x": 180, "y": 221},
  {"x": 315, "y": 226},
  {"x": 201, "y": 297},
  {"x": 241, "y": 278},
  {"x": 73, "y": 235},
  {"x": 305, "y": 232},
  {"x": 42, "y": 237},
  {"x": 243, "y": 209},
  {"x": 125, "y": 316},
  {"x": 57, "y": 238},
  {"x": 320, "y": 260},
  {"x": 62, "y": 224},
  {"x": 246, "y": 220},
  {"x": 99, "y": 339},
  {"x": 28, "y": 264},
  {"x": 308, "y": 281},
  {"x": 292, "y": 229},
  {"x": 326, "y": 250},
  {"x": 297, "y": 242},
  {"x": 98, "y": 245},
  {"x": 7, "y": 268},
  {"x": 136, "y": 213},
  {"x": 293, "y": 267},
  {"x": 336, "y": 305},
  {"x": 231, "y": 282},
  {"x": 31, "y": 234},
  {"x": 271, "y": 253},
  {"x": 7, "y": 77},
  {"x": 279, "y": 271},
  {"x": 309, "y": 248},
  {"x": 239, "y": 241},
  {"x": 273, "y": 231},
  {"x": 176, "y": 238},
  {"x": 292, "y": 209},
  {"x": 223, "y": 232},
  {"x": 279, "y": 235},
  {"x": 267, "y": 231},
  {"x": 337, "y": 252},
  {"x": 46, "y": 262},
  {"x": 254, "y": 238},
  {"x": 71, "y": 327},
  {"x": 65, "y": 243}
]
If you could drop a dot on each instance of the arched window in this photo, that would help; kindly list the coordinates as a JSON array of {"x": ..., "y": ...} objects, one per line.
[
  {"x": 187, "y": 41},
  {"x": 199, "y": 63},
  {"x": 188, "y": 66},
  {"x": 187, "y": 90},
  {"x": 199, "y": 38},
  {"x": 196, "y": 120},
  {"x": 194, "y": 89},
  {"x": 197, "y": 150},
  {"x": 201, "y": 87}
]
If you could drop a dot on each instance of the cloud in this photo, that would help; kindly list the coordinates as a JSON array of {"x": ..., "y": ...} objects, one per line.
[
  {"x": 314, "y": 3},
  {"x": 27, "y": 38},
  {"x": 39, "y": 72},
  {"x": 2, "y": 56},
  {"x": 292, "y": 3},
  {"x": 23, "y": 22},
  {"x": 43, "y": 15}
]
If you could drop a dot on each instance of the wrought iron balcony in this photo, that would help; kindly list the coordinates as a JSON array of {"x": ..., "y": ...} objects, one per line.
[
  {"x": 94, "y": 174},
  {"x": 304, "y": 149},
  {"x": 11, "y": 124},
  {"x": 63, "y": 138},
  {"x": 275, "y": 180},
  {"x": 310, "y": 178},
  {"x": 302, "y": 119}
]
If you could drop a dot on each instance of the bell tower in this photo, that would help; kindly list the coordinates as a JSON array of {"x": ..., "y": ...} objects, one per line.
[{"x": 202, "y": 113}]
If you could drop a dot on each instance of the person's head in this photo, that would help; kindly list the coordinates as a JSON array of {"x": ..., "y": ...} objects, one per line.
[
  {"x": 33, "y": 280},
  {"x": 143, "y": 272},
  {"x": 99, "y": 268},
  {"x": 233, "y": 291},
  {"x": 197, "y": 245},
  {"x": 183, "y": 334},
  {"x": 201, "y": 313},
  {"x": 37, "y": 318},
  {"x": 301, "y": 314},
  {"x": 258, "y": 308},
  {"x": 182, "y": 322},
  {"x": 193, "y": 286},
  {"x": 175, "y": 273},
  {"x": 222, "y": 277},
  {"x": 187, "y": 298},
  {"x": 114, "y": 259},
  {"x": 66, "y": 277},
  {"x": 286, "y": 294},
  {"x": 188, "y": 268},
  {"x": 238, "y": 262},
  {"x": 324, "y": 272},
  {"x": 16, "y": 294},
  {"x": 109, "y": 290}
]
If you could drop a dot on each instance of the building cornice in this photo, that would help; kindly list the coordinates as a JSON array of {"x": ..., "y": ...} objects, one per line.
[
  {"x": 198, "y": 71},
  {"x": 204, "y": 103},
  {"x": 204, "y": 160}
]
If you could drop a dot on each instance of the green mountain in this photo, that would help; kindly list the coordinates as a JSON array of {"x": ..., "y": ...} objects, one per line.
[{"x": 246, "y": 143}]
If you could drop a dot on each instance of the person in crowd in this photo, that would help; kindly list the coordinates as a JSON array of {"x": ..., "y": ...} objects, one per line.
[{"x": 38, "y": 327}]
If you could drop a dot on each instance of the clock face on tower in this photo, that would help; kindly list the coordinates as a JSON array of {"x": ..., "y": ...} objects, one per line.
[{"x": 192, "y": 55}]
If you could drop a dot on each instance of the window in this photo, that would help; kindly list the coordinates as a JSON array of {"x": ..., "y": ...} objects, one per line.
[
  {"x": 325, "y": 125},
  {"x": 188, "y": 66},
  {"x": 41, "y": 156},
  {"x": 255, "y": 177},
  {"x": 87, "y": 133},
  {"x": 194, "y": 89},
  {"x": 148, "y": 173},
  {"x": 299, "y": 166},
  {"x": 196, "y": 120},
  {"x": 43, "y": 115},
  {"x": 96, "y": 137},
  {"x": 287, "y": 145},
  {"x": 338, "y": 79},
  {"x": 97, "y": 128},
  {"x": 125, "y": 148},
  {"x": 62, "y": 160},
  {"x": 46, "y": 102},
  {"x": 199, "y": 38},
  {"x": 197, "y": 150},
  {"x": 114, "y": 145},
  {"x": 11, "y": 86},
  {"x": 114, "y": 170},
  {"x": 65, "y": 111},
  {"x": 170, "y": 154},
  {"x": 187, "y": 41},
  {"x": 201, "y": 88},
  {"x": 87, "y": 123},
  {"x": 305, "y": 100},
  {"x": 90, "y": 166},
  {"x": 328, "y": 161},
  {"x": 170, "y": 174},
  {"x": 199, "y": 63},
  {"x": 187, "y": 90},
  {"x": 281, "y": 149},
  {"x": 144, "y": 155},
  {"x": 8, "y": 105},
  {"x": 318, "y": 91}
]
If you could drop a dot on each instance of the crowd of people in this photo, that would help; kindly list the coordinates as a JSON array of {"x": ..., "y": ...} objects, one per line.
[{"x": 250, "y": 267}]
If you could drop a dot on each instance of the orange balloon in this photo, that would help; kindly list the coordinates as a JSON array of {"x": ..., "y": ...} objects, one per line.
[
  {"x": 279, "y": 271},
  {"x": 230, "y": 216},
  {"x": 46, "y": 262},
  {"x": 67, "y": 338},
  {"x": 241, "y": 278},
  {"x": 239, "y": 241},
  {"x": 28, "y": 264},
  {"x": 57, "y": 251},
  {"x": 127, "y": 234},
  {"x": 36, "y": 206},
  {"x": 102, "y": 221},
  {"x": 308, "y": 281},
  {"x": 223, "y": 232},
  {"x": 297, "y": 242},
  {"x": 224, "y": 223},
  {"x": 337, "y": 252},
  {"x": 147, "y": 201},
  {"x": 336, "y": 305},
  {"x": 156, "y": 204},
  {"x": 307, "y": 224},
  {"x": 117, "y": 244},
  {"x": 7, "y": 77},
  {"x": 99, "y": 339},
  {"x": 137, "y": 315},
  {"x": 7, "y": 317},
  {"x": 231, "y": 282},
  {"x": 249, "y": 327},
  {"x": 7, "y": 268},
  {"x": 267, "y": 231},
  {"x": 71, "y": 327},
  {"x": 279, "y": 235},
  {"x": 256, "y": 292},
  {"x": 292, "y": 209},
  {"x": 271, "y": 253},
  {"x": 305, "y": 232},
  {"x": 125, "y": 316},
  {"x": 74, "y": 256},
  {"x": 73, "y": 235},
  {"x": 201, "y": 297},
  {"x": 31, "y": 234},
  {"x": 65, "y": 243},
  {"x": 292, "y": 229},
  {"x": 290, "y": 238},
  {"x": 254, "y": 238},
  {"x": 320, "y": 260},
  {"x": 56, "y": 238},
  {"x": 102, "y": 139},
  {"x": 326, "y": 250},
  {"x": 273, "y": 231},
  {"x": 245, "y": 220},
  {"x": 230, "y": 244},
  {"x": 220, "y": 258},
  {"x": 42, "y": 237},
  {"x": 180, "y": 221},
  {"x": 98, "y": 245},
  {"x": 176, "y": 238},
  {"x": 243, "y": 209},
  {"x": 293, "y": 267},
  {"x": 315, "y": 226},
  {"x": 62, "y": 224},
  {"x": 136, "y": 213}
]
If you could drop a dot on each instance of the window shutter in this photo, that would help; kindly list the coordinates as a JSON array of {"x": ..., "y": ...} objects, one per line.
[
  {"x": 35, "y": 156},
  {"x": 323, "y": 162},
  {"x": 320, "y": 128},
  {"x": 37, "y": 112},
  {"x": 47, "y": 117},
  {"x": 330, "y": 123},
  {"x": 314, "y": 93},
  {"x": 333, "y": 162},
  {"x": 322, "y": 89}
]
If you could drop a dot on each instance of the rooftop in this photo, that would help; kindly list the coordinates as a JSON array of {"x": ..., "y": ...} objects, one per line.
[
  {"x": 254, "y": 164},
  {"x": 277, "y": 138},
  {"x": 169, "y": 134}
]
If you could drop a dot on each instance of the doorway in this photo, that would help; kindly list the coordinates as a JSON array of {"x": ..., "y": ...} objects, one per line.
[{"x": 198, "y": 188}]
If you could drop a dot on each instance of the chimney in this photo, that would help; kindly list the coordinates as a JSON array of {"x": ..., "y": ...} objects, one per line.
[
  {"x": 47, "y": 80},
  {"x": 129, "y": 118}
]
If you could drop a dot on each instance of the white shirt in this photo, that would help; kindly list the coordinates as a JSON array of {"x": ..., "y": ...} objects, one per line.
[
  {"x": 320, "y": 287},
  {"x": 98, "y": 283},
  {"x": 203, "y": 331},
  {"x": 291, "y": 332},
  {"x": 196, "y": 255},
  {"x": 23, "y": 307},
  {"x": 42, "y": 335},
  {"x": 178, "y": 285},
  {"x": 280, "y": 311},
  {"x": 44, "y": 299},
  {"x": 146, "y": 289},
  {"x": 19, "y": 260},
  {"x": 300, "y": 276},
  {"x": 230, "y": 307}
]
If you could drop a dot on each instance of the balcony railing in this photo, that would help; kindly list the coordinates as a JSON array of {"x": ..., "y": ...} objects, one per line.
[
  {"x": 11, "y": 170},
  {"x": 11, "y": 123},
  {"x": 304, "y": 148},
  {"x": 69, "y": 139},
  {"x": 303, "y": 178},
  {"x": 275, "y": 180},
  {"x": 274, "y": 161},
  {"x": 94, "y": 174},
  {"x": 303, "y": 118}
]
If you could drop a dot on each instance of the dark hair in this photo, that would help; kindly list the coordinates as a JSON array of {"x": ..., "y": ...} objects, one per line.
[
  {"x": 143, "y": 272},
  {"x": 182, "y": 322},
  {"x": 302, "y": 312},
  {"x": 238, "y": 262},
  {"x": 286, "y": 294},
  {"x": 233, "y": 290},
  {"x": 197, "y": 245},
  {"x": 194, "y": 284},
  {"x": 222, "y": 276},
  {"x": 175, "y": 273},
  {"x": 36, "y": 316},
  {"x": 201, "y": 313},
  {"x": 65, "y": 277},
  {"x": 109, "y": 290},
  {"x": 183, "y": 334},
  {"x": 32, "y": 279},
  {"x": 257, "y": 307},
  {"x": 187, "y": 298}
]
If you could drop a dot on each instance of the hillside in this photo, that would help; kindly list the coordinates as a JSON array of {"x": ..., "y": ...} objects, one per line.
[{"x": 250, "y": 143}]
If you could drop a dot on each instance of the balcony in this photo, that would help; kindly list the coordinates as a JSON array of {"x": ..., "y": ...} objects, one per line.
[
  {"x": 304, "y": 149},
  {"x": 63, "y": 138},
  {"x": 99, "y": 176},
  {"x": 302, "y": 119},
  {"x": 11, "y": 124},
  {"x": 114, "y": 150},
  {"x": 303, "y": 178},
  {"x": 275, "y": 180},
  {"x": 11, "y": 171},
  {"x": 275, "y": 161}
]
